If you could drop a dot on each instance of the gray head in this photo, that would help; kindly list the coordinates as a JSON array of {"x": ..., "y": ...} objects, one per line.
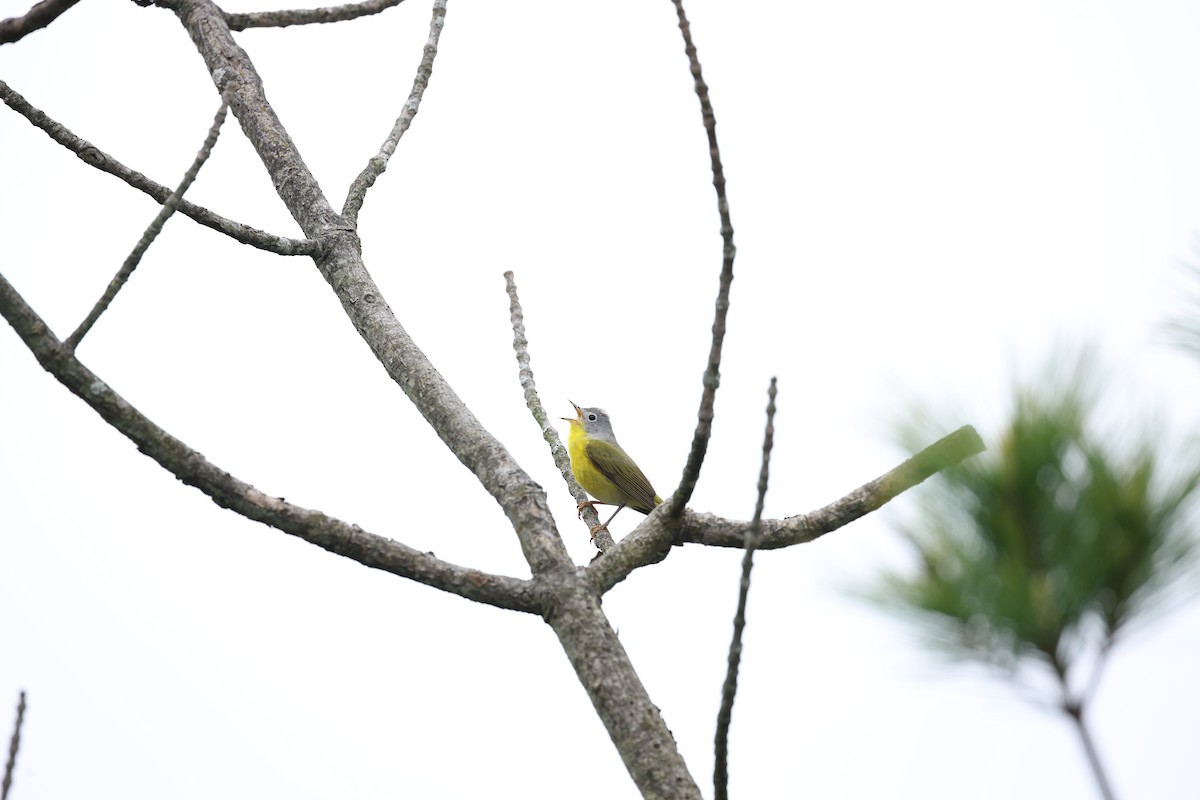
[{"x": 596, "y": 423}]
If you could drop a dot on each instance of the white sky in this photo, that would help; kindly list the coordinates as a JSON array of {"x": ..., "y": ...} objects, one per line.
[{"x": 927, "y": 196}]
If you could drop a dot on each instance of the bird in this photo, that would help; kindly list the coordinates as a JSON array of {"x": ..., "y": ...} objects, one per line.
[{"x": 603, "y": 468}]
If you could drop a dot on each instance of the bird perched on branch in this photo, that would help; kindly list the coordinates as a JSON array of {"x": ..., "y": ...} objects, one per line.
[{"x": 603, "y": 468}]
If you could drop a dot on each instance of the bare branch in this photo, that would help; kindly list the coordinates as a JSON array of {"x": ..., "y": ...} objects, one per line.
[
  {"x": 13, "y": 746},
  {"x": 189, "y": 466},
  {"x": 92, "y": 155},
  {"x": 234, "y": 75},
  {"x": 729, "y": 689},
  {"x": 36, "y": 18},
  {"x": 135, "y": 257},
  {"x": 712, "y": 372},
  {"x": 308, "y": 16},
  {"x": 650, "y": 542},
  {"x": 603, "y": 540},
  {"x": 634, "y": 723},
  {"x": 572, "y": 608},
  {"x": 557, "y": 591},
  {"x": 375, "y": 167},
  {"x": 340, "y": 262}
]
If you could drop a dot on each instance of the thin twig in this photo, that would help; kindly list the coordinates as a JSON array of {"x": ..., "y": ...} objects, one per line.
[
  {"x": 729, "y": 689},
  {"x": 36, "y": 18},
  {"x": 308, "y": 16},
  {"x": 650, "y": 542},
  {"x": 1075, "y": 712},
  {"x": 315, "y": 527},
  {"x": 151, "y": 233},
  {"x": 93, "y": 156},
  {"x": 603, "y": 540},
  {"x": 376, "y": 165},
  {"x": 712, "y": 372},
  {"x": 13, "y": 746}
]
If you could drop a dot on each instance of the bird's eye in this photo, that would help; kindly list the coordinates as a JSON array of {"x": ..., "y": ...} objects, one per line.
[{"x": 591, "y": 417}]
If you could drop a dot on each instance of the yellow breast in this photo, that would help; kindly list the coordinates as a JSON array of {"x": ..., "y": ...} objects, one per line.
[{"x": 590, "y": 478}]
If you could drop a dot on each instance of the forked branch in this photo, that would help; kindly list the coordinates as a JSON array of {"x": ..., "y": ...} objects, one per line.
[
  {"x": 603, "y": 539},
  {"x": 151, "y": 233},
  {"x": 650, "y": 542},
  {"x": 378, "y": 163},
  {"x": 94, "y": 156},
  {"x": 227, "y": 491},
  {"x": 340, "y": 262}
]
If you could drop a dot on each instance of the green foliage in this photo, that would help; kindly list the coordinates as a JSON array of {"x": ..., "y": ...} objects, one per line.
[
  {"x": 1183, "y": 328},
  {"x": 1050, "y": 540}
]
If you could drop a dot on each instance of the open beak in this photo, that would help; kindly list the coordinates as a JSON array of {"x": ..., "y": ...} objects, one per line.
[{"x": 578, "y": 413}]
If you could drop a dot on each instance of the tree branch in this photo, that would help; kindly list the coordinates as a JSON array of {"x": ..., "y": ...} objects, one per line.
[
  {"x": 340, "y": 262},
  {"x": 634, "y": 723},
  {"x": 92, "y": 155},
  {"x": 135, "y": 257},
  {"x": 36, "y": 18},
  {"x": 729, "y": 689},
  {"x": 227, "y": 491},
  {"x": 375, "y": 167},
  {"x": 603, "y": 540},
  {"x": 308, "y": 16},
  {"x": 572, "y": 607},
  {"x": 650, "y": 542},
  {"x": 14, "y": 745},
  {"x": 557, "y": 590},
  {"x": 712, "y": 372},
  {"x": 1075, "y": 712}
]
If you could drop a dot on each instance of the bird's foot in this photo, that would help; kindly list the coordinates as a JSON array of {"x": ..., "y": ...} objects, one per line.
[
  {"x": 587, "y": 504},
  {"x": 596, "y": 530}
]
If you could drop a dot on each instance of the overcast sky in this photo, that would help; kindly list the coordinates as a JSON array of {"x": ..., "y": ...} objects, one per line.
[{"x": 928, "y": 198}]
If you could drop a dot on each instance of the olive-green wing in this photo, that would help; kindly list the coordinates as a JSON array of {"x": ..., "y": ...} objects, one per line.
[{"x": 614, "y": 464}]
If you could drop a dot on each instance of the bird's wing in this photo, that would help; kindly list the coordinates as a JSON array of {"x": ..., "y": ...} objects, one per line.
[{"x": 614, "y": 464}]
